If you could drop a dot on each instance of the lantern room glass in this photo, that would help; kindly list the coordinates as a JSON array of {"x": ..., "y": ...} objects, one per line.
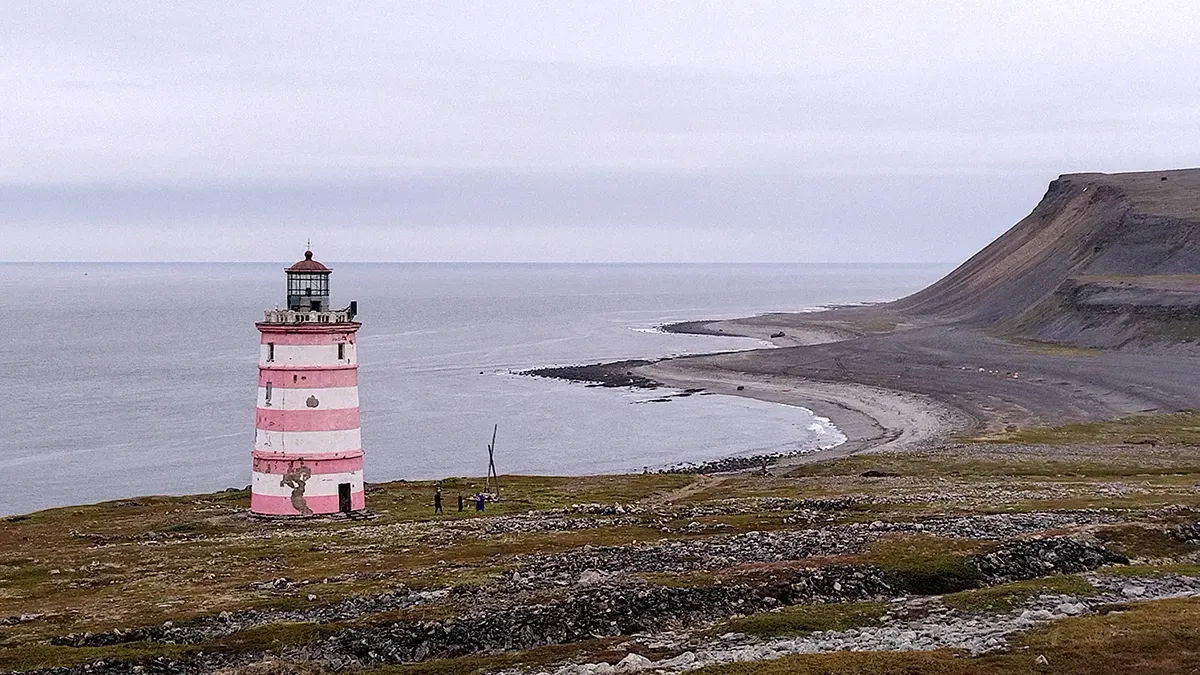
[{"x": 305, "y": 288}]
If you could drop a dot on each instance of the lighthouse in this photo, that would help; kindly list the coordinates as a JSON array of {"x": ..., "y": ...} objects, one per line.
[{"x": 308, "y": 457}]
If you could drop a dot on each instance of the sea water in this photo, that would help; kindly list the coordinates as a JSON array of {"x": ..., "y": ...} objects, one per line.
[{"x": 135, "y": 379}]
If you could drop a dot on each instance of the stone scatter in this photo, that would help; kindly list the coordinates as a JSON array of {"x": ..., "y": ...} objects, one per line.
[{"x": 942, "y": 628}]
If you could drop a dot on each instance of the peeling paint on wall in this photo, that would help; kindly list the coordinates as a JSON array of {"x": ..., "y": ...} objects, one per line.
[{"x": 296, "y": 479}]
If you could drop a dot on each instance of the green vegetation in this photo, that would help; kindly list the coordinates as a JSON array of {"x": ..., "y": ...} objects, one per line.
[
  {"x": 979, "y": 462},
  {"x": 39, "y": 655},
  {"x": 802, "y": 619},
  {"x": 139, "y": 562},
  {"x": 271, "y": 636},
  {"x": 1181, "y": 428},
  {"x": 1006, "y": 597},
  {"x": 1136, "y": 541},
  {"x": 1051, "y": 348},
  {"x": 927, "y": 565},
  {"x": 143, "y": 561}
]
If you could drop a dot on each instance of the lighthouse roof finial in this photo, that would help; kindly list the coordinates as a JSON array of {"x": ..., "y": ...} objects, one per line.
[{"x": 308, "y": 265}]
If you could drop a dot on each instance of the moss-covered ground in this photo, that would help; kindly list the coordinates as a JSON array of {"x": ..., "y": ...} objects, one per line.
[{"x": 140, "y": 562}]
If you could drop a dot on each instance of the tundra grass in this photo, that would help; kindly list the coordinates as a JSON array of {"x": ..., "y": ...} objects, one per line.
[
  {"x": 139, "y": 562},
  {"x": 986, "y": 459},
  {"x": 1137, "y": 541},
  {"x": 1006, "y": 597},
  {"x": 1181, "y": 428},
  {"x": 927, "y": 565}
]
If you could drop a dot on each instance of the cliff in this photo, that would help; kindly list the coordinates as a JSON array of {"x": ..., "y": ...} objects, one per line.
[{"x": 1104, "y": 260}]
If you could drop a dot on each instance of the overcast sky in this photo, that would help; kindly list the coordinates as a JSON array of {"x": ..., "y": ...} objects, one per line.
[{"x": 572, "y": 131}]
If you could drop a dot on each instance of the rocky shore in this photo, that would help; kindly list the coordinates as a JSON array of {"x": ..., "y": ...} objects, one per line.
[{"x": 613, "y": 374}]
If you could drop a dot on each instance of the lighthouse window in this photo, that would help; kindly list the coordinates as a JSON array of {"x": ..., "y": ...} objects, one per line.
[
  {"x": 268, "y": 393},
  {"x": 341, "y": 351},
  {"x": 270, "y": 352}
]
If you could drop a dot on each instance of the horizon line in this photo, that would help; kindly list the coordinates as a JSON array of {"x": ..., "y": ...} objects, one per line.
[{"x": 482, "y": 262}]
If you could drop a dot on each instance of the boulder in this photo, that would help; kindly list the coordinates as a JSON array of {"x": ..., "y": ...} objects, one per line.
[{"x": 632, "y": 663}]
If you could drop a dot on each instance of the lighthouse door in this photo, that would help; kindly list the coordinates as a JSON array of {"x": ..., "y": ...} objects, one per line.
[{"x": 344, "y": 497}]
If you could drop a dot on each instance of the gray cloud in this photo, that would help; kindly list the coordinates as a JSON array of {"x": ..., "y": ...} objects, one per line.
[{"x": 214, "y": 127}]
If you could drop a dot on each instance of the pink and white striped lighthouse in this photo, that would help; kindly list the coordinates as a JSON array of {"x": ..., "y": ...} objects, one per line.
[{"x": 308, "y": 457}]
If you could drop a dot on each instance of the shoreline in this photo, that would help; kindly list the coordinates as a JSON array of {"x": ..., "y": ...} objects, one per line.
[{"x": 871, "y": 418}]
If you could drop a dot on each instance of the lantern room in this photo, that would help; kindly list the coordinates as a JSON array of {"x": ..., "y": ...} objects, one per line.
[{"x": 308, "y": 285}]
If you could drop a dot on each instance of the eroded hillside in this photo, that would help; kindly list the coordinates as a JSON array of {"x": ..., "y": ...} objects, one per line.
[{"x": 1103, "y": 261}]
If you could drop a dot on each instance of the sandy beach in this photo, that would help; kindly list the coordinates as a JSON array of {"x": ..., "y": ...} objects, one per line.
[
  {"x": 871, "y": 418},
  {"x": 919, "y": 384}
]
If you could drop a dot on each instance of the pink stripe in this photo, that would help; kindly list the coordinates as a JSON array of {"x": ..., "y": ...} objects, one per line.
[
  {"x": 305, "y": 378},
  {"x": 293, "y": 369},
  {"x": 317, "y": 456},
  {"x": 307, "y": 328},
  {"x": 281, "y": 466},
  {"x": 308, "y": 338},
  {"x": 282, "y": 506},
  {"x": 274, "y": 419}
]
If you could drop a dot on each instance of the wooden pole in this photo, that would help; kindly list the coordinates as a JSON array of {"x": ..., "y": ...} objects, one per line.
[{"x": 491, "y": 473}]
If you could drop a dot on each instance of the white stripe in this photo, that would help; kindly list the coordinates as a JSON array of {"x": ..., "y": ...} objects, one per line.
[
  {"x": 308, "y": 355},
  {"x": 317, "y": 485},
  {"x": 307, "y": 441},
  {"x": 331, "y": 398}
]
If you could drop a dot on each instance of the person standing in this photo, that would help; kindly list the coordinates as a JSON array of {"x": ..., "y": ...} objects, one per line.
[
  {"x": 437, "y": 500},
  {"x": 479, "y": 502}
]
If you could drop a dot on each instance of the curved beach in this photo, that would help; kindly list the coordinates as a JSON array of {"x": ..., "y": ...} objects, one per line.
[{"x": 871, "y": 418}]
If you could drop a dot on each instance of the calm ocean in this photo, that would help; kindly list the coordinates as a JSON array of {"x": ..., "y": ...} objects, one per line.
[{"x": 136, "y": 379}]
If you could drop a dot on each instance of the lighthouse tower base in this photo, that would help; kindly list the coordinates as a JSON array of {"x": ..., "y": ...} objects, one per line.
[{"x": 299, "y": 486}]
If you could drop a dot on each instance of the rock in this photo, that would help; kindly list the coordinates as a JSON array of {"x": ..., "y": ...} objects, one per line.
[
  {"x": 684, "y": 659},
  {"x": 590, "y": 578},
  {"x": 311, "y": 597},
  {"x": 1071, "y": 608},
  {"x": 1133, "y": 591},
  {"x": 633, "y": 663},
  {"x": 1032, "y": 558},
  {"x": 1189, "y": 533},
  {"x": 1041, "y": 660}
]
